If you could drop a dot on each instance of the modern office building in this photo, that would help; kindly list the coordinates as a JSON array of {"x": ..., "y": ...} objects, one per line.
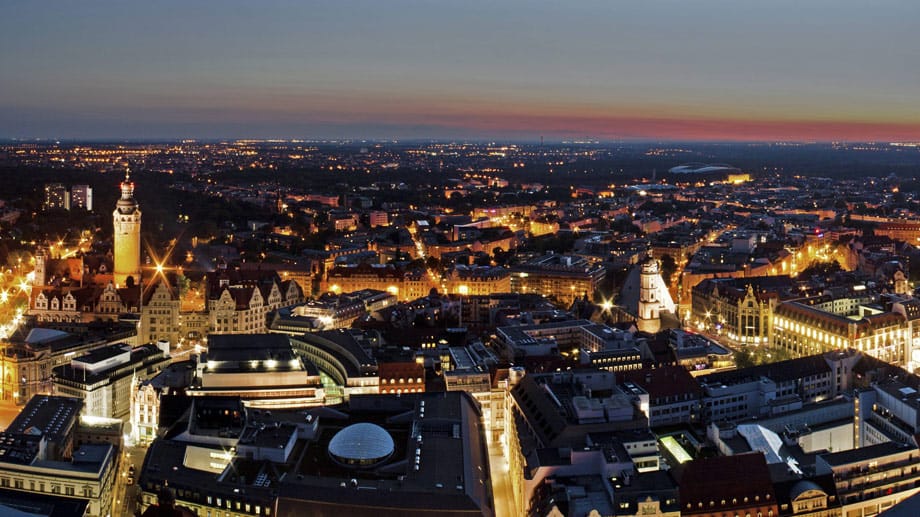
[
  {"x": 105, "y": 377},
  {"x": 261, "y": 369}
]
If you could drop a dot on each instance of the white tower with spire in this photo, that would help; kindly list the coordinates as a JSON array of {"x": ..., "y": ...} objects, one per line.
[
  {"x": 127, "y": 237},
  {"x": 654, "y": 297}
]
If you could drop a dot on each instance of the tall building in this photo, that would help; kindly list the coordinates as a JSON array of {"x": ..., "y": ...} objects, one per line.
[
  {"x": 81, "y": 196},
  {"x": 127, "y": 237},
  {"x": 57, "y": 197}
]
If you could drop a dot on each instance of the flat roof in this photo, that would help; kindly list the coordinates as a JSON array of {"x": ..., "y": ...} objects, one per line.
[
  {"x": 46, "y": 414},
  {"x": 249, "y": 347}
]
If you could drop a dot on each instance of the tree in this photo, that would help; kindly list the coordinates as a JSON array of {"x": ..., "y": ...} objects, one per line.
[{"x": 668, "y": 268}]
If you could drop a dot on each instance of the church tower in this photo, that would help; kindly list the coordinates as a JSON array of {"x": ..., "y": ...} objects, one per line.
[
  {"x": 649, "y": 300},
  {"x": 41, "y": 268},
  {"x": 127, "y": 237}
]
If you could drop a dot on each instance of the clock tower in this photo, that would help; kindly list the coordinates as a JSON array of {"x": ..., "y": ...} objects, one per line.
[{"x": 127, "y": 237}]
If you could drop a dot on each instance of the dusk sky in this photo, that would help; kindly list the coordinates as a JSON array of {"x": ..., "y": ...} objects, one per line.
[{"x": 668, "y": 70}]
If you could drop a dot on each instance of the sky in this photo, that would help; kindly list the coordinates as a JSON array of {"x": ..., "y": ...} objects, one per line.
[{"x": 502, "y": 69}]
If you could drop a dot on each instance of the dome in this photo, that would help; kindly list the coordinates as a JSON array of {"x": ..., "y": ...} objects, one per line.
[
  {"x": 126, "y": 206},
  {"x": 361, "y": 445}
]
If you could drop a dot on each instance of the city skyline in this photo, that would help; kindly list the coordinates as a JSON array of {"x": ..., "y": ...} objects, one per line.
[{"x": 516, "y": 71}]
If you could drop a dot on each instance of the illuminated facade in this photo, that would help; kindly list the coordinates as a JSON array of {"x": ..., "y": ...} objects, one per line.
[
  {"x": 263, "y": 370},
  {"x": 654, "y": 298},
  {"x": 81, "y": 196},
  {"x": 735, "y": 310},
  {"x": 160, "y": 314},
  {"x": 562, "y": 277},
  {"x": 57, "y": 197},
  {"x": 808, "y": 327},
  {"x": 239, "y": 300},
  {"x": 483, "y": 280},
  {"x": 27, "y": 366},
  {"x": 406, "y": 285},
  {"x": 104, "y": 378},
  {"x": 127, "y": 236}
]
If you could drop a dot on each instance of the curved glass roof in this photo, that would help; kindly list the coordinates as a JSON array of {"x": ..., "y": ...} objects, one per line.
[{"x": 362, "y": 443}]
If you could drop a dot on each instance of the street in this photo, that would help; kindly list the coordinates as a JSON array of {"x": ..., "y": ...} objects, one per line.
[
  {"x": 8, "y": 412},
  {"x": 501, "y": 483},
  {"x": 125, "y": 495}
]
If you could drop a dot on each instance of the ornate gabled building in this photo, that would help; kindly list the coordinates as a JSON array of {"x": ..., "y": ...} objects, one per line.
[
  {"x": 740, "y": 309},
  {"x": 239, "y": 300},
  {"x": 160, "y": 313},
  {"x": 84, "y": 304}
]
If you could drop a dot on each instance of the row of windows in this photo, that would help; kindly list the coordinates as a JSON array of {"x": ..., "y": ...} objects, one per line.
[
  {"x": 55, "y": 488},
  {"x": 402, "y": 380}
]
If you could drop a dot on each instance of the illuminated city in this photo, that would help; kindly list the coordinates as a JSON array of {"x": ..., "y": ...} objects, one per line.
[{"x": 489, "y": 260}]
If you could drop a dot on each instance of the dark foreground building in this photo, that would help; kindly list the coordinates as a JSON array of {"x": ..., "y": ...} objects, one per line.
[{"x": 377, "y": 455}]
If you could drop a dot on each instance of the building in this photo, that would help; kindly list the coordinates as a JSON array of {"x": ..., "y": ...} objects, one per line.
[
  {"x": 160, "y": 313},
  {"x": 477, "y": 280},
  {"x": 871, "y": 479},
  {"x": 146, "y": 395},
  {"x": 728, "y": 485},
  {"x": 38, "y": 456},
  {"x": 95, "y": 302},
  {"x": 329, "y": 311},
  {"x": 239, "y": 300},
  {"x": 378, "y": 218},
  {"x": 740, "y": 309},
  {"x": 35, "y": 357},
  {"x": 346, "y": 357},
  {"x": 127, "y": 236},
  {"x": 57, "y": 197},
  {"x": 261, "y": 369},
  {"x": 825, "y": 323},
  {"x": 104, "y": 378},
  {"x": 563, "y": 277},
  {"x": 598, "y": 345},
  {"x": 654, "y": 298},
  {"x": 548, "y": 420},
  {"x": 415, "y": 454},
  {"x": 770, "y": 389},
  {"x": 406, "y": 285},
  {"x": 674, "y": 396},
  {"x": 81, "y": 196}
]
